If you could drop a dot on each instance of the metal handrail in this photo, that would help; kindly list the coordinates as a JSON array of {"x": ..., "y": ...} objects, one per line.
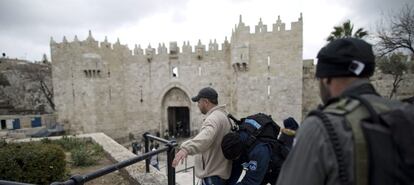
[
  {"x": 185, "y": 170},
  {"x": 170, "y": 155},
  {"x": 4, "y": 182},
  {"x": 169, "y": 148}
]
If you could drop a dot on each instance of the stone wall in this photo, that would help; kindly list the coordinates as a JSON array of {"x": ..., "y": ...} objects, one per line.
[
  {"x": 310, "y": 96},
  {"x": 270, "y": 80},
  {"x": 383, "y": 84},
  {"x": 104, "y": 87},
  {"x": 46, "y": 120}
]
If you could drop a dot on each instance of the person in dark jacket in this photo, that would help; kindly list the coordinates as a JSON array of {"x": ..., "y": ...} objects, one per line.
[
  {"x": 288, "y": 133},
  {"x": 262, "y": 159},
  {"x": 255, "y": 160}
]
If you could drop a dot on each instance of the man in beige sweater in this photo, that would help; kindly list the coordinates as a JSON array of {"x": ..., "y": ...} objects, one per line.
[{"x": 210, "y": 164}]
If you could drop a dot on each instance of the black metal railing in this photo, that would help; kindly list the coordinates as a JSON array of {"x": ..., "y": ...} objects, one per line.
[
  {"x": 170, "y": 155},
  {"x": 169, "y": 148},
  {"x": 4, "y": 182},
  {"x": 185, "y": 170}
]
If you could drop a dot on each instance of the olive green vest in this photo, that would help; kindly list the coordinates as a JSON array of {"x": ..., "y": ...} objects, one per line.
[{"x": 353, "y": 111}]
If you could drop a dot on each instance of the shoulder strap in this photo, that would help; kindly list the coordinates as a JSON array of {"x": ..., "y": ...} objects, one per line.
[
  {"x": 232, "y": 127},
  {"x": 360, "y": 145},
  {"x": 350, "y": 108},
  {"x": 333, "y": 137},
  {"x": 368, "y": 106},
  {"x": 354, "y": 113}
]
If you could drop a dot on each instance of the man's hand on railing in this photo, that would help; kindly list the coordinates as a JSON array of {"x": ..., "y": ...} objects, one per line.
[{"x": 182, "y": 154}]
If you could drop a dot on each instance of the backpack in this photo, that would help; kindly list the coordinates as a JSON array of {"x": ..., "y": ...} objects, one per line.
[
  {"x": 383, "y": 142},
  {"x": 262, "y": 128}
]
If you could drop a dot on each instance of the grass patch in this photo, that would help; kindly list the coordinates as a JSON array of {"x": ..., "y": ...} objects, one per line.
[{"x": 82, "y": 152}]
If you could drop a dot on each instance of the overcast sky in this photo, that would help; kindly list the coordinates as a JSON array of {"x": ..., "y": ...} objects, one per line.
[{"x": 26, "y": 26}]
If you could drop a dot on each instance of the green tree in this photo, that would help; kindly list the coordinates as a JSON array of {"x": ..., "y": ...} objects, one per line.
[
  {"x": 394, "y": 64},
  {"x": 346, "y": 30}
]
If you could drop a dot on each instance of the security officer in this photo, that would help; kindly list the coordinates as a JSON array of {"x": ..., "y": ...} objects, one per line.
[
  {"x": 254, "y": 160},
  {"x": 343, "y": 70},
  {"x": 263, "y": 158}
]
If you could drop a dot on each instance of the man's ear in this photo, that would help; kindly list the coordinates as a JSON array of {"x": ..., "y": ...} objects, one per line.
[{"x": 328, "y": 81}]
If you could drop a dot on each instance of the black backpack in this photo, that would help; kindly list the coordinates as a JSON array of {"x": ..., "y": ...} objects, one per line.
[
  {"x": 385, "y": 147},
  {"x": 264, "y": 129}
]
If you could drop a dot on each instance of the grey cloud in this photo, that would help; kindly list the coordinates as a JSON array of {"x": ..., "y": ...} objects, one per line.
[
  {"x": 101, "y": 13},
  {"x": 370, "y": 12},
  {"x": 33, "y": 22}
]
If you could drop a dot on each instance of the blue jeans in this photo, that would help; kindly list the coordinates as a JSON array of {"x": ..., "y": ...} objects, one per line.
[{"x": 213, "y": 180}]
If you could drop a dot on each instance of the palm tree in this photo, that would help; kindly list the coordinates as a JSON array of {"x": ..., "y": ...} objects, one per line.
[{"x": 345, "y": 31}]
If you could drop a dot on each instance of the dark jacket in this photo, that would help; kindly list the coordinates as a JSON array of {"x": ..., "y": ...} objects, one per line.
[
  {"x": 312, "y": 160},
  {"x": 255, "y": 162}
]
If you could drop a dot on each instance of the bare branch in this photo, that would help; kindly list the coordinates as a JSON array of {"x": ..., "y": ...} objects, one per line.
[{"x": 398, "y": 35}]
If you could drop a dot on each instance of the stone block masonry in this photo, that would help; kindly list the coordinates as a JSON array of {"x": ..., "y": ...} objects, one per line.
[{"x": 104, "y": 87}]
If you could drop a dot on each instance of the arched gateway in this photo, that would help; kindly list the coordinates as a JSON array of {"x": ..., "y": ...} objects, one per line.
[{"x": 176, "y": 106}]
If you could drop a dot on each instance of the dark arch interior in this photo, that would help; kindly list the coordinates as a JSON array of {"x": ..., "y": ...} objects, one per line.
[{"x": 179, "y": 122}]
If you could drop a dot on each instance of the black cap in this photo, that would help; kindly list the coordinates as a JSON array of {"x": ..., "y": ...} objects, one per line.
[
  {"x": 206, "y": 92},
  {"x": 290, "y": 123},
  {"x": 346, "y": 57},
  {"x": 231, "y": 145}
]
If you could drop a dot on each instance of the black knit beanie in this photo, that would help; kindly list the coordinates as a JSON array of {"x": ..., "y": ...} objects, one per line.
[
  {"x": 346, "y": 57},
  {"x": 290, "y": 123}
]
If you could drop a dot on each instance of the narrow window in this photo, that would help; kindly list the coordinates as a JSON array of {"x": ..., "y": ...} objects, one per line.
[
  {"x": 268, "y": 60},
  {"x": 268, "y": 91},
  {"x": 175, "y": 71},
  {"x": 3, "y": 124},
  {"x": 110, "y": 93},
  {"x": 244, "y": 66},
  {"x": 141, "y": 100},
  {"x": 199, "y": 71},
  {"x": 268, "y": 63}
]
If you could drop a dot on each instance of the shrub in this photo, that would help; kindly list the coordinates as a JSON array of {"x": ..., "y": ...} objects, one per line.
[
  {"x": 32, "y": 162},
  {"x": 70, "y": 143},
  {"x": 44, "y": 162},
  {"x": 83, "y": 152},
  {"x": 2, "y": 143},
  {"x": 86, "y": 155}
]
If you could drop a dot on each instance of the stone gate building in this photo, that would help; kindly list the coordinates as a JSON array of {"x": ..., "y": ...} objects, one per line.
[{"x": 104, "y": 87}]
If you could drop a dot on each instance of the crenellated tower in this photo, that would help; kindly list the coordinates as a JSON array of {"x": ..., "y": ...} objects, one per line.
[{"x": 105, "y": 87}]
